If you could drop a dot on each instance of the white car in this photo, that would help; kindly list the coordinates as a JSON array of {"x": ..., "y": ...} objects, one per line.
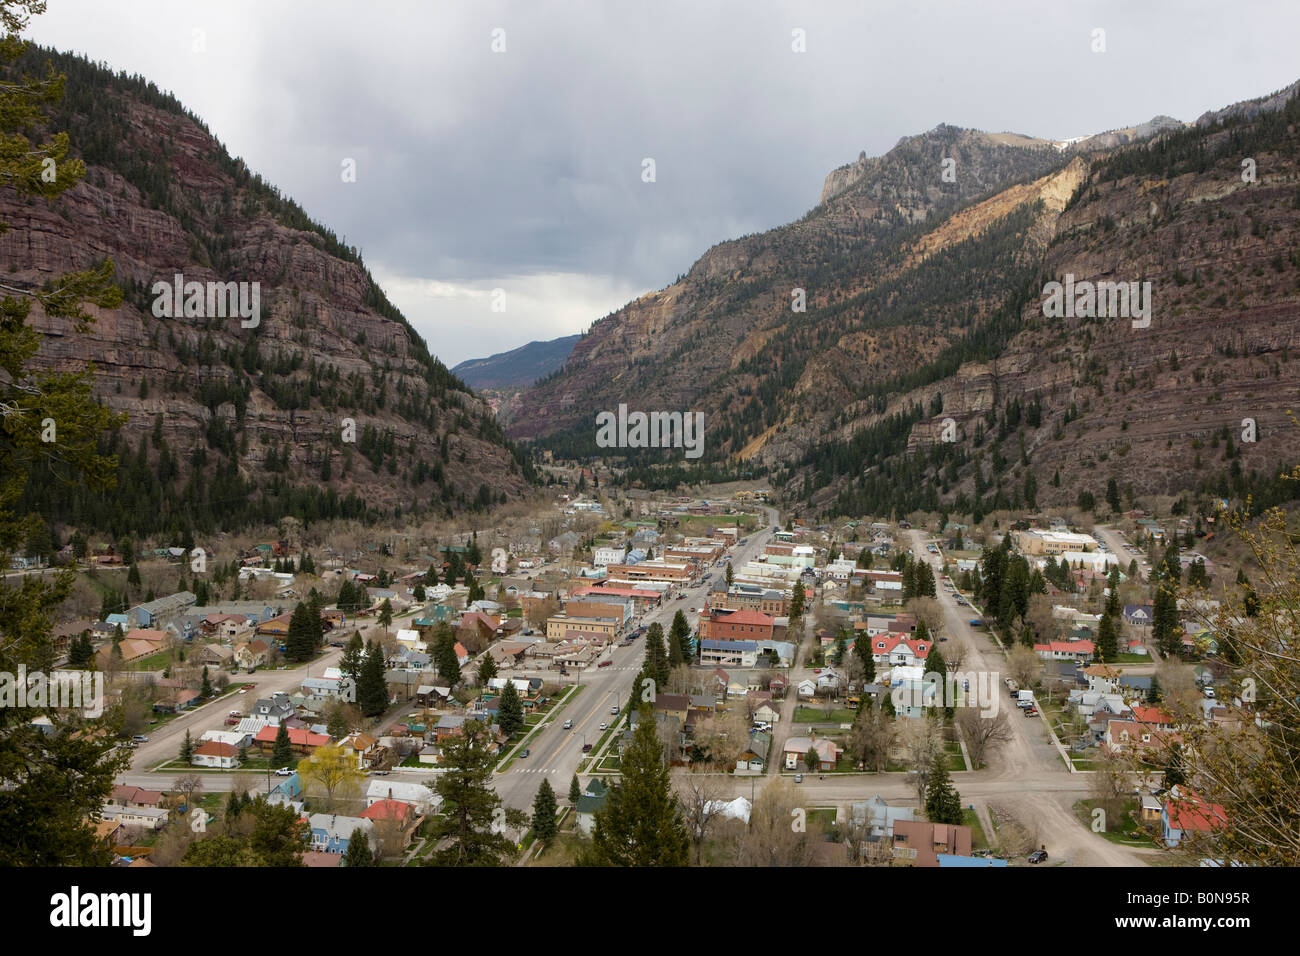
[
  {"x": 284, "y": 772},
  {"x": 604, "y": 725}
]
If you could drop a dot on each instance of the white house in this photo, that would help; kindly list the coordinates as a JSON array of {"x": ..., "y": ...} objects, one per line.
[{"x": 606, "y": 555}]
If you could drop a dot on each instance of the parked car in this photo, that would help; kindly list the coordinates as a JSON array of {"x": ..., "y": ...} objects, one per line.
[
  {"x": 379, "y": 773},
  {"x": 1038, "y": 856},
  {"x": 1209, "y": 693},
  {"x": 798, "y": 778},
  {"x": 284, "y": 772},
  {"x": 140, "y": 739},
  {"x": 586, "y": 748},
  {"x": 524, "y": 753},
  {"x": 614, "y": 710},
  {"x": 1031, "y": 711},
  {"x": 604, "y": 725},
  {"x": 568, "y": 725}
]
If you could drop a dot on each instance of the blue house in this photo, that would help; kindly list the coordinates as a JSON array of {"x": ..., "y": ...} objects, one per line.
[{"x": 331, "y": 833}]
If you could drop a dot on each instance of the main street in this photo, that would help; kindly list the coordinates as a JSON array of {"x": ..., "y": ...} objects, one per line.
[{"x": 556, "y": 752}]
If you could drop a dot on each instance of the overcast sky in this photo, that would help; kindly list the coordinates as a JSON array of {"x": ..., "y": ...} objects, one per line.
[{"x": 522, "y": 170}]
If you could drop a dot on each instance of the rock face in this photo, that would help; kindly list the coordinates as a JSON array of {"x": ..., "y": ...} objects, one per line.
[
  {"x": 162, "y": 197},
  {"x": 924, "y": 301}
]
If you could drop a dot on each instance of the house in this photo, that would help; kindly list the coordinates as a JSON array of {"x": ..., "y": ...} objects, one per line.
[
  {"x": 176, "y": 701},
  {"x": 1139, "y": 615},
  {"x": 590, "y": 800},
  {"x": 766, "y": 713},
  {"x": 251, "y": 653},
  {"x": 1184, "y": 812},
  {"x": 878, "y": 817},
  {"x": 216, "y": 655},
  {"x": 922, "y": 842},
  {"x": 151, "y": 818},
  {"x": 796, "y": 749},
  {"x": 213, "y": 753},
  {"x": 745, "y": 626},
  {"x": 420, "y": 798},
  {"x": 127, "y": 796},
  {"x": 301, "y": 740},
  {"x": 331, "y": 833},
  {"x": 361, "y": 746},
  {"x": 1066, "y": 650},
  {"x": 158, "y": 613},
  {"x": 899, "y": 649},
  {"x": 729, "y": 653},
  {"x": 275, "y": 708},
  {"x": 754, "y": 757},
  {"x": 807, "y": 689}
]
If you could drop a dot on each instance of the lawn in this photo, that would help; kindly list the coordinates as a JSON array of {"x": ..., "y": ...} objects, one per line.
[
  {"x": 822, "y": 817},
  {"x": 978, "y": 838},
  {"x": 953, "y": 751},
  {"x": 1128, "y": 833},
  {"x": 815, "y": 715}
]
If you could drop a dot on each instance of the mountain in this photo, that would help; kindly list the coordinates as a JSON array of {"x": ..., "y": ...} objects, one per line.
[
  {"x": 231, "y": 425},
  {"x": 925, "y": 302},
  {"x": 518, "y": 367}
]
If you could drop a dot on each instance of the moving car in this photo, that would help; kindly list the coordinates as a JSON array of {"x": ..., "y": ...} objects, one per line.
[
  {"x": 798, "y": 778},
  {"x": 524, "y": 753},
  {"x": 1038, "y": 856},
  {"x": 284, "y": 772},
  {"x": 604, "y": 725},
  {"x": 604, "y": 663},
  {"x": 614, "y": 710},
  {"x": 568, "y": 725}
]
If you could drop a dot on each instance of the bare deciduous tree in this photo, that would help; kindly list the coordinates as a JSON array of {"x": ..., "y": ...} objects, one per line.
[
  {"x": 777, "y": 834},
  {"x": 700, "y": 796},
  {"x": 982, "y": 732}
]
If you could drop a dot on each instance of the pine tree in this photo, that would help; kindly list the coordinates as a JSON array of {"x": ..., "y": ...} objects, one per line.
[
  {"x": 468, "y": 804},
  {"x": 372, "y": 688},
  {"x": 680, "y": 635},
  {"x": 282, "y": 752},
  {"x": 575, "y": 790},
  {"x": 1164, "y": 621},
  {"x": 187, "y": 748},
  {"x": 656, "y": 656},
  {"x": 641, "y": 821},
  {"x": 350, "y": 663},
  {"x": 445, "y": 658},
  {"x": 205, "y": 688},
  {"x": 358, "y": 852},
  {"x": 862, "y": 648},
  {"x": 510, "y": 710},
  {"x": 942, "y": 801},
  {"x": 487, "y": 669},
  {"x": 730, "y": 575},
  {"x": 1107, "y": 638},
  {"x": 544, "y": 810},
  {"x": 385, "y": 615}
]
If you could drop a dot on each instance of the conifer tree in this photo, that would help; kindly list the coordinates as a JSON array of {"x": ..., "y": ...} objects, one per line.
[
  {"x": 575, "y": 790},
  {"x": 468, "y": 804},
  {"x": 282, "y": 751},
  {"x": 358, "y": 852},
  {"x": 942, "y": 801},
  {"x": 544, "y": 810},
  {"x": 510, "y": 710},
  {"x": 641, "y": 821},
  {"x": 372, "y": 688}
]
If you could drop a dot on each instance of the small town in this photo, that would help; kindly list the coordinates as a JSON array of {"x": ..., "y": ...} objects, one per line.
[{"x": 790, "y": 667}]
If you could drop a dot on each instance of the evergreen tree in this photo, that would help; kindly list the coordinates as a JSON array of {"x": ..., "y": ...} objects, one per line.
[
  {"x": 730, "y": 575},
  {"x": 797, "y": 601},
  {"x": 205, "y": 688},
  {"x": 942, "y": 801},
  {"x": 510, "y": 710},
  {"x": 544, "y": 810},
  {"x": 350, "y": 663},
  {"x": 372, "y": 688},
  {"x": 445, "y": 658},
  {"x": 1164, "y": 621},
  {"x": 862, "y": 648},
  {"x": 1107, "y": 638},
  {"x": 385, "y": 615},
  {"x": 680, "y": 635},
  {"x": 81, "y": 652},
  {"x": 282, "y": 752},
  {"x": 468, "y": 804},
  {"x": 641, "y": 821},
  {"x": 187, "y": 748},
  {"x": 487, "y": 669},
  {"x": 575, "y": 790},
  {"x": 656, "y": 656},
  {"x": 358, "y": 852}
]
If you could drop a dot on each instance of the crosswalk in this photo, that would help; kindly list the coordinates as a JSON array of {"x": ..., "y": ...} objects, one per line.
[{"x": 536, "y": 770}]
